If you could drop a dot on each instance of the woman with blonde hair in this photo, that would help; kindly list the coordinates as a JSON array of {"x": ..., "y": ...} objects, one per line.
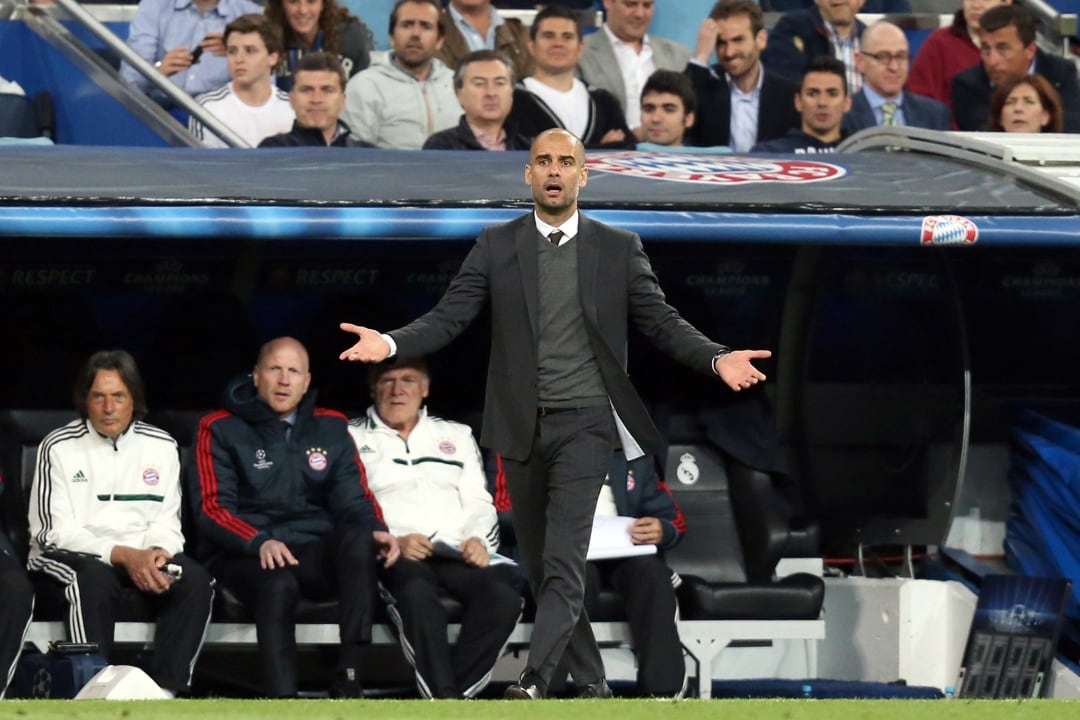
[
  {"x": 1029, "y": 104},
  {"x": 319, "y": 25}
]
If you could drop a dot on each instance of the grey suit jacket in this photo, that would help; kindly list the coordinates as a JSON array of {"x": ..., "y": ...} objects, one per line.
[
  {"x": 617, "y": 285},
  {"x": 598, "y": 67}
]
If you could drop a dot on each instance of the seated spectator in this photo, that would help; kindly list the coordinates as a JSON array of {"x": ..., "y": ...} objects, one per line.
[
  {"x": 667, "y": 110},
  {"x": 822, "y": 101},
  {"x": 621, "y": 55},
  {"x": 319, "y": 25},
  {"x": 1027, "y": 105},
  {"x": 285, "y": 512},
  {"x": 16, "y": 606},
  {"x": 554, "y": 96},
  {"x": 740, "y": 101},
  {"x": 1009, "y": 52},
  {"x": 407, "y": 98},
  {"x": 427, "y": 476},
  {"x": 829, "y": 28},
  {"x": 877, "y": 7},
  {"x": 947, "y": 51},
  {"x": 184, "y": 41},
  {"x": 883, "y": 61},
  {"x": 645, "y": 584},
  {"x": 317, "y": 98},
  {"x": 471, "y": 25},
  {"x": 105, "y": 516},
  {"x": 249, "y": 105},
  {"x": 484, "y": 81}
]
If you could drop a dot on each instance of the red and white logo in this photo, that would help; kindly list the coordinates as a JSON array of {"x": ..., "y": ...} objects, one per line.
[
  {"x": 316, "y": 460},
  {"x": 447, "y": 448},
  {"x": 150, "y": 476},
  {"x": 948, "y": 230},
  {"x": 630, "y": 483},
  {"x": 714, "y": 169}
]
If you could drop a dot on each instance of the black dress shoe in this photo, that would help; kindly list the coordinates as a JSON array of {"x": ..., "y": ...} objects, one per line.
[
  {"x": 346, "y": 684},
  {"x": 599, "y": 690},
  {"x": 528, "y": 687}
]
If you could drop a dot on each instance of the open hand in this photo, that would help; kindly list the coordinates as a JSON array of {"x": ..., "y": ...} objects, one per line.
[
  {"x": 735, "y": 368},
  {"x": 370, "y": 348}
]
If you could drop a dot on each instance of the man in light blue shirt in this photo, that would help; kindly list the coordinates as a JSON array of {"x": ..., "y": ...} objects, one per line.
[
  {"x": 884, "y": 61},
  {"x": 184, "y": 40}
]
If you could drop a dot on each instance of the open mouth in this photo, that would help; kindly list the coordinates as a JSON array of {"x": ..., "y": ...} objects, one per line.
[{"x": 552, "y": 188}]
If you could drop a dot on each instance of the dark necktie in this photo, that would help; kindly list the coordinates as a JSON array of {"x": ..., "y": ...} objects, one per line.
[
  {"x": 286, "y": 427},
  {"x": 556, "y": 236}
]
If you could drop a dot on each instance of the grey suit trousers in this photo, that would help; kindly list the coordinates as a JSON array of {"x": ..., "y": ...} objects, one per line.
[{"x": 554, "y": 496}]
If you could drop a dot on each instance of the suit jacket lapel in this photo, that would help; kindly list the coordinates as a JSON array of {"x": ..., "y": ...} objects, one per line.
[
  {"x": 611, "y": 67},
  {"x": 525, "y": 243},
  {"x": 588, "y": 255}
]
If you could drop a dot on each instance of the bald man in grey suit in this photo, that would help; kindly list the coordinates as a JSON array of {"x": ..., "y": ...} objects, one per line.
[{"x": 562, "y": 289}]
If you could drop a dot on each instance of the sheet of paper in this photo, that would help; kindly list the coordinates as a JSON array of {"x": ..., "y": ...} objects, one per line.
[{"x": 611, "y": 539}]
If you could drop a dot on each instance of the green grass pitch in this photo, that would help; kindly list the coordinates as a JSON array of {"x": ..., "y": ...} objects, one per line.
[{"x": 544, "y": 710}]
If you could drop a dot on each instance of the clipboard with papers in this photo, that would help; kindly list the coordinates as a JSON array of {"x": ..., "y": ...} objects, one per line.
[{"x": 611, "y": 539}]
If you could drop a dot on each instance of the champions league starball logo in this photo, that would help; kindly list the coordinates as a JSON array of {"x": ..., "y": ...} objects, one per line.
[{"x": 714, "y": 169}]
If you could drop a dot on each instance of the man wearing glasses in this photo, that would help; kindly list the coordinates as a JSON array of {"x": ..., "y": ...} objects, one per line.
[{"x": 884, "y": 61}]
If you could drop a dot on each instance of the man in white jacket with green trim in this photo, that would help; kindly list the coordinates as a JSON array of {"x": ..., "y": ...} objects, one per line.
[{"x": 427, "y": 476}]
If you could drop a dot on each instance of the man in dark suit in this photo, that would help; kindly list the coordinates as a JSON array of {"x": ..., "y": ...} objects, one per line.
[
  {"x": 884, "y": 60},
  {"x": 562, "y": 289},
  {"x": 1007, "y": 40},
  {"x": 829, "y": 28},
  {"x": 741, "y": 102}
]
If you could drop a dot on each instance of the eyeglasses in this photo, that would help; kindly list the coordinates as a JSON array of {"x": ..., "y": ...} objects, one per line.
[{"x": 888, "y": 58}]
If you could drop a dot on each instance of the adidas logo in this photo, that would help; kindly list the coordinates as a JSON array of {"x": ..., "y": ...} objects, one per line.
[
  {"x": 366, "y": 450},
  {"x": 80, "y": 477}
]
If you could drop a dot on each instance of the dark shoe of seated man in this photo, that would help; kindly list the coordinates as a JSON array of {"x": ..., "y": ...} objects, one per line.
[
  {"x": 528, "y": 687},
  {"x": 346, "y": 684}
]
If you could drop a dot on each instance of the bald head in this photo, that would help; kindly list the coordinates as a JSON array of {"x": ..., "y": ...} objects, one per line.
[
  {"x": 556, "y": 172},
  {"x": 883, "y": 58},
  {"x": 547, "y": 136},
  {"x": 283, "y": 343},
  {"x": 281, "y": 375}
]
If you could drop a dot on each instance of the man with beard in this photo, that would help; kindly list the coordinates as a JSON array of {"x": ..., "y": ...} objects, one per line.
[
  {"x": 403, "y": 100},
  {"x": 741, "y": 102},
  {"x": 822, "y": 100},
  {"x": 563, "y": 289}
]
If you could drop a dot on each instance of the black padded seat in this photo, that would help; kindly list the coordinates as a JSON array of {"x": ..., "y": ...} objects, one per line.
[
  {"x": 710, "y": 558},
  {"x": 229, "y": 609},
  {"x": 795, "y": 597}
]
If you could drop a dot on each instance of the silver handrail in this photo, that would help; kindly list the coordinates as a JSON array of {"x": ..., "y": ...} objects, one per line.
[{"x": 155, "y": 76}]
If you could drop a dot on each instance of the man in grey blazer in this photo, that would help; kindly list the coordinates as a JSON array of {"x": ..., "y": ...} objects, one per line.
[
  {"x": 621, "y": 55},
  {"x": 885, "y": 61},
  {"x": 562, "y": 289}
]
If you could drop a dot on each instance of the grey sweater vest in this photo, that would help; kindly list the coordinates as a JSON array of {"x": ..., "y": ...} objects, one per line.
[{"x": 568, "y": 374}]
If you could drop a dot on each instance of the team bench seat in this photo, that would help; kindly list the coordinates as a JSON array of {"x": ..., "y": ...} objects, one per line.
[{"x": 704, "y": 640}]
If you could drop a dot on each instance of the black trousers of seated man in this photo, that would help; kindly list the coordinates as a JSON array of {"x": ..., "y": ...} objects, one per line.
[
  {"x": 652, "y": 611},
  {"x": 339, "y": 565},
  {"x": 16, "y": 610},
  {"x": 492, "y": 602},
  {"x": 93, "y": 588}
]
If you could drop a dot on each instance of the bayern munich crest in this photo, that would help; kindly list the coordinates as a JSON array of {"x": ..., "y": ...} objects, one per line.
[
  {"x": 948, "y": 230},
  {"x": 714, "y": 169},
  {"x": 316, "y": 459},
  {"x": 447, "y": 448},
  {"x": 150, "y": 476}
]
